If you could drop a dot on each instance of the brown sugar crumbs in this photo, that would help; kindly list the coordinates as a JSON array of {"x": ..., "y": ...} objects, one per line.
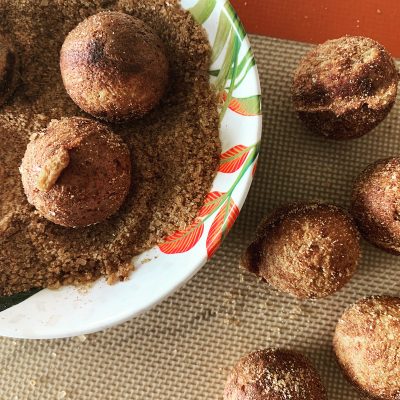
[{"x": 175, "y": 149}]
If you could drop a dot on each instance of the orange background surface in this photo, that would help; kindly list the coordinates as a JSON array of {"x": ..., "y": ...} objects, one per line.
[{"x": 315, "y": 21}]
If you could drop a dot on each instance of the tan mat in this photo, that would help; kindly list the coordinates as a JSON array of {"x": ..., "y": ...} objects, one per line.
[{"x": 182, "y": 349}]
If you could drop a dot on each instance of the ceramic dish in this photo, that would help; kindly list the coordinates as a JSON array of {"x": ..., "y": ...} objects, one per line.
[{"x": 70, "y": 311}]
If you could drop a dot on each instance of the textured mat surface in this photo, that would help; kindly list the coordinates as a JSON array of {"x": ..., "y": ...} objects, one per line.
[{"x": 183, "y": 348}]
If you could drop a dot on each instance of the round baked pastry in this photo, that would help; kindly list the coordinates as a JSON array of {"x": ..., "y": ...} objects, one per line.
[
  {"x": 367, "y": 346},
  {"x": 274, "y": 374},
  {"x": 9, "y": 74},
  {"x": 306, "y": 250},
  {"x": 376, "y": 204},
  {"x": 77, "y": 172},
  {"x": 343, "y": 88},
  {"x": 114, "y": 66}
]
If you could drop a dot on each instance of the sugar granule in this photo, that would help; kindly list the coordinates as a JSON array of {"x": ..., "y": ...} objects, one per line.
[{"x": 175, "y": 149}]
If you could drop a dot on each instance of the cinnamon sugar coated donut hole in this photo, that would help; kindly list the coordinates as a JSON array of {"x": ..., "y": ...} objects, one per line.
[
  {"x": 376, "y": 204},
  {"x": 274, "y": 374},
  {"x": 306, "y": 250},
  {"x": 77, "y": 172},
  {"x": 343, "y": 88},
  {"x": 367, "y": 346},
  {"x": 9, "y": 73},
  {"x": 114, "y": 66}
]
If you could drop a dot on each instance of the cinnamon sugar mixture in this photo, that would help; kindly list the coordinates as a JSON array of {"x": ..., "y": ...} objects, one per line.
[{"x": 175, "y": 149}]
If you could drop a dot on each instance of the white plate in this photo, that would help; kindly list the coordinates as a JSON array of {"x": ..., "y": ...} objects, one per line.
[{"x": 162, "y": 270}]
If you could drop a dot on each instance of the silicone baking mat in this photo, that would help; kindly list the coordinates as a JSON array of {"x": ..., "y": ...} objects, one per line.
[{"x": 183, "y": 348}]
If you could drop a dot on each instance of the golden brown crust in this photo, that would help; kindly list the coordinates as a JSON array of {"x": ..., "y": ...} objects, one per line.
[
  {"x": 114, "y": 67},
  {"x": 274, "y": 374},
  {"x": 367, "y": 346},
  {"x": 91, "y": 186},
  {"x": 9, "y": 73},
  {"x": 376, "y": 204},
  {"x": 306, "y": 250},
  {"x": 345, "y": 87}
]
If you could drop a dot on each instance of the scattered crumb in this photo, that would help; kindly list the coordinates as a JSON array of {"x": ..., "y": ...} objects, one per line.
[
  {"x": 61, "y": 395},
  {"x": 224, "y": 370},
  {"x": 230, "y": 296},
  {"x": 232, "y": 321},
  {"x": 81, "y": 338},
  {"x": 297, "y": 309},
  {"x": 84, "y": 288}
]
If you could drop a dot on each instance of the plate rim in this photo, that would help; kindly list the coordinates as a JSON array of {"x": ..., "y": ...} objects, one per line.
[{"x": 195, "y": 267}]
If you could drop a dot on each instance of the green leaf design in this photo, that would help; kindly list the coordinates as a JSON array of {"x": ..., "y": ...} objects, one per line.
[
  {"x": 214, "y": 72},
  {"x": 235, "y": 55},
  {"x": 223, "y": 30},
  {"x": 227, "y": 64},
  {"x": 9, "y": 301},
  {"x": 248, "y": 57},
  {"x": 239, "y": 29},
  {"x": 202, "y": 10},
  {"x": 230, "y": 69},
  {"x": 247, "y": 63},
  {"x": 251, "y": 64}
]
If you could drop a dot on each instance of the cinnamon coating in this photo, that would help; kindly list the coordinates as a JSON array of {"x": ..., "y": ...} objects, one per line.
[
  {"x": 306, "y": 250},
  {"x": 345, "y": 87},
  {"x": 367, "y": 346},
  {"x": 114, "y": 66},
  {"x": 376, "y": 204},
  {"x": 76, "y": 173},
  {"x": 274, "y": 374}
]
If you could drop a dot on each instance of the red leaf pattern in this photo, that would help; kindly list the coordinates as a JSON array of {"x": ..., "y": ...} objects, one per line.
[
  {"x": 233, "y": 159},
  {"x": 221, "y": 225},
  {"x": 253, "y": 171},
  {"x": 222, "y": 97},
  {"x": 248, "y": 106},
  {"x": 211, "y": 203},
  {"x": 182, "y": 241}
]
